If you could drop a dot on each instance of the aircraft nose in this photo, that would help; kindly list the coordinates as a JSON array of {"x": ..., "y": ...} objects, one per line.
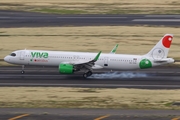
[{"x": 6, "y": 58}]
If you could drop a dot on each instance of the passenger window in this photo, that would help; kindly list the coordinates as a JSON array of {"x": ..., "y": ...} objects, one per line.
[{"x": 13, "y": 54}]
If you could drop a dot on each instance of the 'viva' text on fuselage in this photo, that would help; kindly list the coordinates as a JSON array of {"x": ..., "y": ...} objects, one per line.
[{"x": 39, "y": 54}]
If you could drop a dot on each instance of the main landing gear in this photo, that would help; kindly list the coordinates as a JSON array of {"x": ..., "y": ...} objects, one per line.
[
  {"x": 22, "y": 71},
  {"x": 87, "y": 74}
]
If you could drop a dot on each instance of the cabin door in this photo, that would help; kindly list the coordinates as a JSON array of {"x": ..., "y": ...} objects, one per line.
[{"x": 22, "y": 55}]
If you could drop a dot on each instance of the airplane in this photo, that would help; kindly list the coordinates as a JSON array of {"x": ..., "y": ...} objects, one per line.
[{"x": 71, "y": 62}]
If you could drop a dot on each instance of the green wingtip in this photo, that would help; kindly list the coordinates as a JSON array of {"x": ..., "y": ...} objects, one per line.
[
  {"x": 97, "y": 56},
  {"x": 115, "y": 48}
]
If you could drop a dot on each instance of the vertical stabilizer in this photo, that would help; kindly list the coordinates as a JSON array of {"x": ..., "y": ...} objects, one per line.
[{"x": 161, "y": 49}]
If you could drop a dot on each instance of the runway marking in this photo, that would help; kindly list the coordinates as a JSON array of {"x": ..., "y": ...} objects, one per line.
[
  {"x": 77, "y": 17},
  {"x": 156, "y": 20},
  {"x": 20, "y": 116},
  {"x": 102, "y": 117},
  {"x": 170, "y": 16},
  {"x": 176, "y": 118}
]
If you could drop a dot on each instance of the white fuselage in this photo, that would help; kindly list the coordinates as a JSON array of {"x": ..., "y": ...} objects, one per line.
[{"x": 54, "y": 58}]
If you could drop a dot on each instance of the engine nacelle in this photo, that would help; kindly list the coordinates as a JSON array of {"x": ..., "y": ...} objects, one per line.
[{"x": 66, "y": 69}]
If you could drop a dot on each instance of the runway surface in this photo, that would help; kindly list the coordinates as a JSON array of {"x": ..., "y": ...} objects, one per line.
[
  {"x": 155, "y": 78},
  {"x": 30, "y": 19},
  {"x": 86, "y": 114}
]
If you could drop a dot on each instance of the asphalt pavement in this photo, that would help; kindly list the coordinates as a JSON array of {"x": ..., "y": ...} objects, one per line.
[
  {"x": 86, "y": 114},
  {"x": 9, "y": 19},
  {"x": 155, "y": 78}
]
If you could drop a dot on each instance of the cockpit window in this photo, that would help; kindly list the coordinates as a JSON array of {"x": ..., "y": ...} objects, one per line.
[{"x": 13, "y": 54}]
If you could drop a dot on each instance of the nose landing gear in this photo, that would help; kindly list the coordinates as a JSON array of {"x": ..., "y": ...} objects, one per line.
[{"x": 22, "y": 71}]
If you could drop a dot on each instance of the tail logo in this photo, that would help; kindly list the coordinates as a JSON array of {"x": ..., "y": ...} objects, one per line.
[
  {"x": 158, "y": 53},
  {"x": 167, "y": 41}
]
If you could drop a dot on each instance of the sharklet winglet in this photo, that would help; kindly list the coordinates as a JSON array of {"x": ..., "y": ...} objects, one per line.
[
  {"x": 113, "y": 51},
  {"x": 97, "y": 56}
]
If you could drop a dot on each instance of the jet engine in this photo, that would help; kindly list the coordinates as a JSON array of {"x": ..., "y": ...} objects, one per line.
[{"x": 66, "y": 69}]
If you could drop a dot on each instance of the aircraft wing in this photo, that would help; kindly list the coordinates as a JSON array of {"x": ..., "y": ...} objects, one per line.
[
  {"x": 113, "y": 51},
  {"x": 80, "y": 64}
]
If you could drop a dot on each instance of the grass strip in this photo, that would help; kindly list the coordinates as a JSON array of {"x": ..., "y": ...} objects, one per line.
[
  {"x": 59, "y": 97},
  {"x": 94, "y": 6}
]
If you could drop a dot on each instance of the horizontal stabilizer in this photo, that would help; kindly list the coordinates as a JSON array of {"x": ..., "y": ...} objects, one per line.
[{"x": 165, "y": 60}]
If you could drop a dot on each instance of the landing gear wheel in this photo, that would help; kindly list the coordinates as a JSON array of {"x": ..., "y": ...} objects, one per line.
[
  {"x": 87, "y": 74},
  {"x": 22, "y": 72}
]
